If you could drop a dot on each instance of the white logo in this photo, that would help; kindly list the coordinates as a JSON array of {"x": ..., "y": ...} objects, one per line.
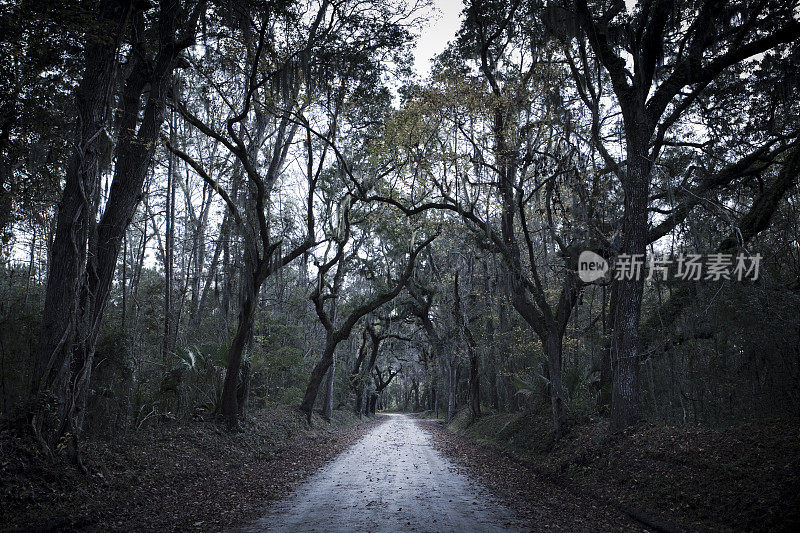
[
  {"x": 689, "y": 267},
  {"x": 591, "y": 266}
]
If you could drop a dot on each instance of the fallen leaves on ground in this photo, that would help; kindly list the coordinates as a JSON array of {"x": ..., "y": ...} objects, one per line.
[
  {"x": 745, "y": 477},
  {"x": 543, "y": 506},
  {"x": 187, "y": 477}
]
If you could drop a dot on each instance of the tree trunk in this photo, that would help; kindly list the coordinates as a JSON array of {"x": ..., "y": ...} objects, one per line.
[
  {"x": 359, "y": 406},
  {"x": 461, "y": 314},
  {"x": 553, "y": 347},
  {"x": 133, "y": 156},
  {"x": 625, "y": 408},
  {"x": 315, "y": 380},
  {"x": 243, "y": 390},
  {"x": 197, "y": 310},
  {"x": 169, "y": 242},
  {"x": 327, "y": 408},
  {"x": 6, "y": 197},
  {"x": 451, "y": 370},
  {"x": 124, "y": 285},
  {"x": 51, "y": 380},
  {"x": 373, "y": 403},
  {"x": 492, "y": 363},
  {"x": 474, "y": 385},
  {"x": 229, "y": 405}
]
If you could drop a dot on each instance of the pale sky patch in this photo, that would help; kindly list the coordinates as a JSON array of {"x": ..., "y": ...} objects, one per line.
[{"x": 434, "y": 36}]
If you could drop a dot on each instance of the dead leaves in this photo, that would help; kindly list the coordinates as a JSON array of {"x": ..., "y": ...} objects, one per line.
[{"x": 187, "y": 478}]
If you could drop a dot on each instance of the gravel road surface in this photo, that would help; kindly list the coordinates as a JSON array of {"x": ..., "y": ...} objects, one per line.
[{"x": 391, "y": 480}]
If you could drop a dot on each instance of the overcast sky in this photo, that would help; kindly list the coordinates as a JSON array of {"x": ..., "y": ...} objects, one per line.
[
  {"x": 434, "y": 37},
  {"x": 442, "y": 28}
]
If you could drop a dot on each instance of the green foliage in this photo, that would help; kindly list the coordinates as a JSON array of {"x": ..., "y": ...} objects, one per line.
[
  {"x": 731, "y": 352},
  {"x": 20, "y": 322},
  {"x": 576, "y": 385},
  {"x": 196, "y": 357}
]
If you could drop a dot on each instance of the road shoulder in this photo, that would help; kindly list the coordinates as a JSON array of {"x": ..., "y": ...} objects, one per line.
[
  {"x": 188, "y": 477},
  {"x": 542, "y": 505}
]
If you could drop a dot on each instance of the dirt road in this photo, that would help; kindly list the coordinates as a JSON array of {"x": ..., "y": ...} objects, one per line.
[{"x": 391, "y": 480}]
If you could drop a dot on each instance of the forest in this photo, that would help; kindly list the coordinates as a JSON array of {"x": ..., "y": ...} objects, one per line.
[{"x": 229, "y": 224}]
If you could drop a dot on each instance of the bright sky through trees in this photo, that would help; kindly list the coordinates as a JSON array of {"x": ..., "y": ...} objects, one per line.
[{"x": 437, "y": 33}]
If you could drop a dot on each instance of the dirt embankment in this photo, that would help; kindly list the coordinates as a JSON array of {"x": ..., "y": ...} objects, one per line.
[
  {"x": 186, "y": 477},
  {"x": 670, "y": 478}
]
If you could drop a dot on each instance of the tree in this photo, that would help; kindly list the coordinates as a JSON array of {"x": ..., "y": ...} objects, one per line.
[
  {"x": 39, "y": 39},
  {"x": 382, "y": 380},
  {"x": 509, "y": 175},
  {"x": 85, "y": 252},
  {"x": 337, "y": 332},
  {"x": 370, "y": 344},
  {"x": 428, "y": 295},
  {"x": 307, "y": 86},
  {"x": 463, "y": 321},
  {"x": 677, "y": 53}
]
